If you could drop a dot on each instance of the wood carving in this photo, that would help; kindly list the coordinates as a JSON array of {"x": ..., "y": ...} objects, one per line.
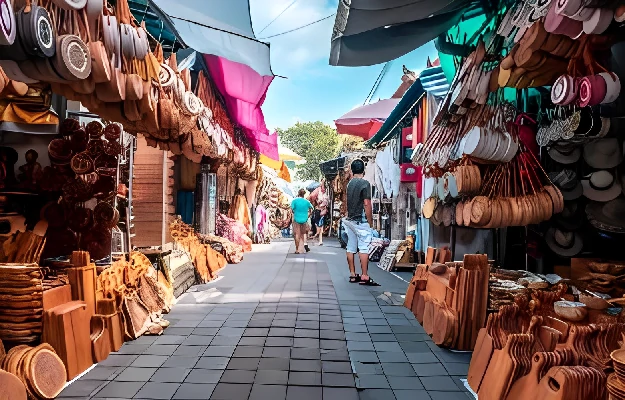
[{"x": 21, "y": 295}]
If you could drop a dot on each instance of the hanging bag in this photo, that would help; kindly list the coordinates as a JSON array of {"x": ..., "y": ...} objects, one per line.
[{"x": 37, "y": 36}]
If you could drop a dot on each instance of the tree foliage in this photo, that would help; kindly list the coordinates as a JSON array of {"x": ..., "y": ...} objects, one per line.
[
  {"x": 315, "y": 141},
  {"x": 351, "y": 143}
]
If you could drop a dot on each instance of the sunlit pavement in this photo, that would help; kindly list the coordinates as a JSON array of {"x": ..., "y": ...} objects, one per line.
[{"x": 283, "y": 326}]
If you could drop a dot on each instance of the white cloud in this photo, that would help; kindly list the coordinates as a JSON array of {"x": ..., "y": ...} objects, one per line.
[{"x": 299, "y": 49}]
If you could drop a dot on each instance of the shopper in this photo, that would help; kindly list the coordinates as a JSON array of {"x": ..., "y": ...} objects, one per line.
[
  {"x": 358, "y": 223},
  {"x": 302, "y": 210},
  {"x": 319, "y": 215}
]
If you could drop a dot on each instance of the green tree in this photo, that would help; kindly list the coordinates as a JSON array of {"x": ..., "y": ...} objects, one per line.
[{"x": 316, "y": 142}]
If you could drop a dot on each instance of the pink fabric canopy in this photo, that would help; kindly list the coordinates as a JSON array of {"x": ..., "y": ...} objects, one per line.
[
  {"x": 268, "y": 145},
  {"x": 365, "y": 121},
  {"x": 244, "y": 91}
]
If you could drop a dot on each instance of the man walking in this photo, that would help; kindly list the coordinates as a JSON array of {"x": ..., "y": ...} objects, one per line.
[
  {"x": 358, "y": 223},
  {"x": 301, "y": 213}
]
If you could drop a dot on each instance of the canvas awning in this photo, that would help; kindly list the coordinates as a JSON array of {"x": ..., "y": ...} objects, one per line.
[
  {"x": 368, "y": 32},
  {"x": 366, "y": 120}
]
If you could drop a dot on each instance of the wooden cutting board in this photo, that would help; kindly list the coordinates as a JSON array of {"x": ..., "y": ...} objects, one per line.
[
  {"x": 100, "y": 339},
  {"x": 66, "y": 329},
  {"x": 11, "y": 387},
  {"x": 56, "y": 296},
  {"x": 481, "y": 358},
  {"x": 83, "y": 282}
]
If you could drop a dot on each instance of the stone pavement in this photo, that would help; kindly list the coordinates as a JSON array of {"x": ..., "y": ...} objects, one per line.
[{"x": 283, "y": 326}]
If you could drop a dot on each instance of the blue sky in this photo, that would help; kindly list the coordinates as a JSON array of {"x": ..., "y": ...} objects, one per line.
[{"x": 315, "y": 90}]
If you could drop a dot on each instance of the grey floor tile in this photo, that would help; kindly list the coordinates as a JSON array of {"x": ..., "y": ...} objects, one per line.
[
  {"x": 439, "y": 383},
  {"x": 123, "y": 390},
  {"x": 298, "y": 378},
  {"x": 279, "y": 342},
  {"x": 367, "y": 368},
  {"x": 303, "y": 393},
  {"x": 180, "y": 362},
  {"x": 275, "y": 364},
  {"x": 422, "y": 358},
  {"x": 82, "y": 388},
  {"x": 276, "y": 352},
  {"x": 193, "y": 391},
  {"x": 383, "y": 337},
  {"x": 372, "y": 382},
  {"x": 450, "y": 356},
  {"x": 430, "y": 369},
  {"x": 230, "y": 391},
  {"x": 178, "y": 331},
  {"x": 392, "y": 357},
  {"x": 256, "y": 332},
  {"x": 247, "y": 364},
  {"x": 252, "y": 341},
  {"x": 363, "y": 356},
  {"x": 213, "y": 362},
  {"x": 118, "y": 360},
  {"x": 129, "y": 348},
  {"x": 327, "y": 344},
  {"x": 283, "y": 323},
  {"x": 161, "y": 349},
  {"x": 225, "y": 340},
  {"x": 341, "y": 367},
  {"x": 305, "y": 365},
  {"x": 190, "y": 351},
  {"x": 306, "y": 342},
  {"x": 439, "y": 395},
  {"x": 412, "y": 394},
  {"x": 149, "y": 361},
  {"x": 219, "y": 351},
  {"x": 269, "y": 377},
  {"x": 333, "y": 393},
  {"x": 411, "y": 337},
  {"x": 360, "y": 328},
  {"x": 248, "y": 352},
  {"x": 405, "y": 383},
  {"x": 155, "y": 390},
  {"x": 416, "y": 347},
  {"x": 377, "y": 394},
  {"x": 197, "y": 340},
  {"x": 134, "y": 374},
  {"x": 338, "y": 380},
  {"x": 203, "y": 376},
  {"x": 332, "y": 335},
  {"x": 265, "y": 392},
  {"x": 457, "y": 368},
  {"x": 169, "y": 340},
  {"x": 100, "y": 373},
  {"x": 309, "y": 325},
  {"x": 306, "y": 353},
  {"x": 238, "y": 376},
  {"x": 379, "y": 329},
  {"x": 170, "y": 375},
  {"x": 357, "y": 336},
  {"x": 398, "y": 369},
  {"x": 205, "y": 331},
  {"x": 360, "y": 346},
  {"x": 281, "y": 332},
  {"x": 335, "y": 355}
]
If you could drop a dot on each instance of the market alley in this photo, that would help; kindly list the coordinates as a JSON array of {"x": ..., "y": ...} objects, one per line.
[{"x": 293, "y": 329}]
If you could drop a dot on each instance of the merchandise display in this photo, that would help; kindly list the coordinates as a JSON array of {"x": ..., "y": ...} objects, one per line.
[{"x": 450, "y": 300}]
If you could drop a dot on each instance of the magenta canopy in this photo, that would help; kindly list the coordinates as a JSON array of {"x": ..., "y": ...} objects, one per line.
[
  {"x": 268, "y": 145},
  {"x": 365, "y": 121},
  {"x": 244, "y": 92}
]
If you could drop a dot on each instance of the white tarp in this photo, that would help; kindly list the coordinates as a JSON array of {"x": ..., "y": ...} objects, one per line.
[{"x": 218, "y": 27}]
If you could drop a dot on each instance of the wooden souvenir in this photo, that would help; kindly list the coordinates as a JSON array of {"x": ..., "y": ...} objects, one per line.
[
  {"x": 56, "y": 296},
  {"x": 67, "y": 330}
]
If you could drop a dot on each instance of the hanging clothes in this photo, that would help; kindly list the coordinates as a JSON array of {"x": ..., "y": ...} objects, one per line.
[
  {"x": 240, "y": 211},
  {"x": 261, "y": 224}
]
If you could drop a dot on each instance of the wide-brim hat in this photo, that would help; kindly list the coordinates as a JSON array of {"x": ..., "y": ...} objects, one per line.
[
  {"x": 601, "y": 186},
  {"x": 603, "y": 153},
  {"x": 564, "y": 155},
  {"x": 566, "y": 180},
  {"x": 564, "y": 243},
  {"x": 609, "y": 216},
  {"x": 572, "y": 216}
]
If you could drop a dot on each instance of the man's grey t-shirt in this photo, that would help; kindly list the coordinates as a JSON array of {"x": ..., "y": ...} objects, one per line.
[{"x": 358, "y": 190}]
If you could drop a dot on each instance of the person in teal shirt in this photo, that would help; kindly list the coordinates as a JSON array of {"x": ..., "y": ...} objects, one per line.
[{"x": 302, "y": 209}]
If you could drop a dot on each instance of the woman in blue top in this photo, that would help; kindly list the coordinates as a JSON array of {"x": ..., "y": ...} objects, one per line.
[{"x": 302, "y": 209}]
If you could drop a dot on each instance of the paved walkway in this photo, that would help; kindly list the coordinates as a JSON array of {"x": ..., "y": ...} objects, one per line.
[{"x": 283, "y": 326}]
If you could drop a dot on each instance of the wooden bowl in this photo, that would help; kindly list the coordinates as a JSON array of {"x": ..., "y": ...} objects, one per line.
[{"x": 570, "y": 310}]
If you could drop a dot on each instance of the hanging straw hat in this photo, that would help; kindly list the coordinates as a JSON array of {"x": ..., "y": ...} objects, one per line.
[
  {"x": 601, "y": 186},
  {"x": 608, "y": 216},
  {"x": 563, "y": 243},
  {"x": 565, "y": 154},
  {"x": 603, "y": 153},
  {"x": 566, "y": 180}
]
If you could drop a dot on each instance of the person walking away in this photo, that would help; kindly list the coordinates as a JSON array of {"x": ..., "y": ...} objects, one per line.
[
  {"x": 358, "y": 223},
  {"x": 319, "y": 215},
  {"x": 302, "y": 209}
]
